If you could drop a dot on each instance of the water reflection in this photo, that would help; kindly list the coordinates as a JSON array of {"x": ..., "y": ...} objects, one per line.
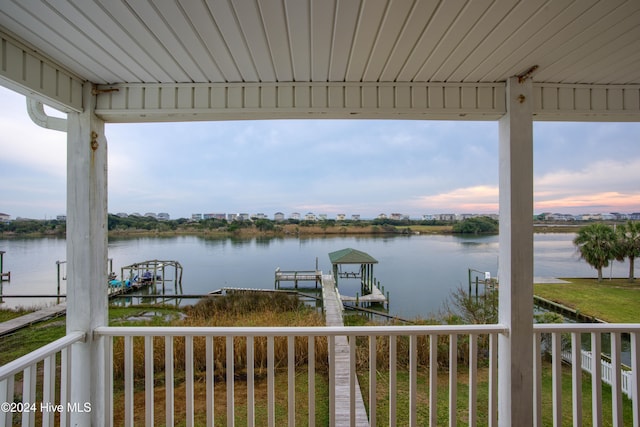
[{"x": 419, "y": 271}]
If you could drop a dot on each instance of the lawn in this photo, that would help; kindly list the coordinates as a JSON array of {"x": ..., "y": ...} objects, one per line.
[{"x": 615, "y": 301}]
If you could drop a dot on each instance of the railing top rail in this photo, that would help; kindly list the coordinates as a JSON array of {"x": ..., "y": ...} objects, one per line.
[
  {"x": 586, "y": 327},
  {"x": 301, "y": 331},
  {"x": 42, "y": 353}
]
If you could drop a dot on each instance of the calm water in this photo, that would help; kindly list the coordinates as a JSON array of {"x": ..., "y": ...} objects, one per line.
[{"x": 419, "y": 271}]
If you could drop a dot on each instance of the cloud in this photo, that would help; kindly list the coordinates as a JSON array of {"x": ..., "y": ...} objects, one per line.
[{"x": 476, "y": 199}]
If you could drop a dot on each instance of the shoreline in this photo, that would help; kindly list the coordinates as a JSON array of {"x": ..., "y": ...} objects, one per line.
[{"x": 297, "y": 230}]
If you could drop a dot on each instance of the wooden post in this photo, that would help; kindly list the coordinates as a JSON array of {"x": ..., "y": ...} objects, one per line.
[
  {"x": 515, "y": 349},
  {"x": 87, "y": 258}
]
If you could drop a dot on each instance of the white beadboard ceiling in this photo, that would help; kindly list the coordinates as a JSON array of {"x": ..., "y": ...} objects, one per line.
[{"x": 224, "y": 41}]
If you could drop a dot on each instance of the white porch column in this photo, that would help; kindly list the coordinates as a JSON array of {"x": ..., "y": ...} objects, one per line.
[
  {"x": 86, "y": 257},
  {"x": 515, "y": 351}
]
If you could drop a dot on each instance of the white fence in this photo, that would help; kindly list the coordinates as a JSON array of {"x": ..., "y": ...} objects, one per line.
[{"x": 607, "y": 371}]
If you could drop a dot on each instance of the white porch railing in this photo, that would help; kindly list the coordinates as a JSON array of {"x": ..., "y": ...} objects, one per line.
[
  {"x": 613, "y": 377},
  {"x": 436, "y": 344},
  {"x": 181, "y": 375},
  {"x": 28, "y": 385}
]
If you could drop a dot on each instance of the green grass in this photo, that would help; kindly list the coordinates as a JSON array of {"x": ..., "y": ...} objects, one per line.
[
  {"x": 12, "y": 313},
  {"x": 615, "y": 301},
  {"x": 402, "y": 398}
]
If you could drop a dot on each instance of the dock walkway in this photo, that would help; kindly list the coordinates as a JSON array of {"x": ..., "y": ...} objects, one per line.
[
  {"x": 333, "y": 317},
  {"x": 34, "y": 317}
]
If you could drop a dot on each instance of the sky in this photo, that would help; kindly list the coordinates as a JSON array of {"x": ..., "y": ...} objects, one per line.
[{"x": 364, "y": 167}]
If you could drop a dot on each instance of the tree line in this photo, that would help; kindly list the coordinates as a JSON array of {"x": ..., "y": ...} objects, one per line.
[{"x": 599, "y": 244}]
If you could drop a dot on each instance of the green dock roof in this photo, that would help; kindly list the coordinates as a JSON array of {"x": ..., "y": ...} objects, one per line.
[{"x": 351, "y": 256}]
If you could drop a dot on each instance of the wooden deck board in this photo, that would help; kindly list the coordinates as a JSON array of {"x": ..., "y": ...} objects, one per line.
[
  {"x": 333, "y": 317},
  {"x": 28, "y": 319}
]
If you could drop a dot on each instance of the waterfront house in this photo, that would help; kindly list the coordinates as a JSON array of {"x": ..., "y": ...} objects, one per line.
[{"x": 506, "y": 61}]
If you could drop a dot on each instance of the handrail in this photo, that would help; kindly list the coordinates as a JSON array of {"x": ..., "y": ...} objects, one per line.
[
  {"x": 42, "y": 353},
  {"x": 306, "y": 330},
  {"x": 586, "y": 327}
]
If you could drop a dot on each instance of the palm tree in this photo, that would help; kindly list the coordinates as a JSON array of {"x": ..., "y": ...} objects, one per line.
[
  {"x": 628, "y": 244},
  {"x": 596, "y": 244}
]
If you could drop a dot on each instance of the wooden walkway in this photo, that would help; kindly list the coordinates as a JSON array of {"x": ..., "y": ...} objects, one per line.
[
  {"x": 333, "y": 317},
  {"x": 28, "y": 319}
]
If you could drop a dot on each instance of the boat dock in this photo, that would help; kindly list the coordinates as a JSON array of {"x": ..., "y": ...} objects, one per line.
[
  {"x": 333, "y": 317},
  {"x": 297, "y": 276}
]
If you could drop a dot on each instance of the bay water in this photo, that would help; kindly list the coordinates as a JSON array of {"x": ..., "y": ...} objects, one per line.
[{"x": 419, "y": 271}]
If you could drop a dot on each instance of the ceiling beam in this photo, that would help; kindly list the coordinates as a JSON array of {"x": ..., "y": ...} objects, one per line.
[{"x": 363, "y": 100}]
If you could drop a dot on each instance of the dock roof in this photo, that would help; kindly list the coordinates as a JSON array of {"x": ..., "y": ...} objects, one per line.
[{"x": 351, "y": 256}]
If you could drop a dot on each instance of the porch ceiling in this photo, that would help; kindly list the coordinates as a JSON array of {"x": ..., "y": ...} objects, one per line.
[{"x": 376, "y": 42}]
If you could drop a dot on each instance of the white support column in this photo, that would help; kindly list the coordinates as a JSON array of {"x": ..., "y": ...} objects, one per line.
[
  {"x": 515, "y": 351},
  {"x": 87, "y": 258}
]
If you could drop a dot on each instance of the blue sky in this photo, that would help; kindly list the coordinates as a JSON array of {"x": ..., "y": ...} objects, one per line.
[{"x": 324, "y": 166}]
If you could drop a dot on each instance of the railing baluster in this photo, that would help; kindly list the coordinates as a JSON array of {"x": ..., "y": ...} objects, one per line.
[
  {"x": 352, "y": 380},
  {"x": 65, "y": 380},
  {"x": 537, "y": 381},
  {"x": 251, "y": 419},
  {"x": 291, "y": 381},
  {"x": 271, "y": 381},
  {"x": 433, "y": 380},
  {"x": 332, "y": 380},
  {"x": 473, "y": 379},
  {"x": 635, "y": 381},
  {"x": 413, "y": 380},
  {"x": 6, "y": 395},
  {"x": 148, "y": 381},
  {"x": 556, "y": 367},
  {"x": 188, "y": 373},
  {"x": 49, "y": 388},
  {"x": 168, "y": 376},
  {"x": 372, "y": 380},
  {"x": 453, "y": 379},
  {"x": 128, "y": 381},
  {"x": 596, "y": 381},
  {"x": 392, "y": 379},
  {"x": 311, "y": 366},
  {"x": 493, "y": 379},
  {"x": 576, "y": 376},
  {"x": 616, "y": 386},
  {"x": 29, "y": 393},
  {"x": 230, "y": 383},
  {"x": 209, "y": 378}
]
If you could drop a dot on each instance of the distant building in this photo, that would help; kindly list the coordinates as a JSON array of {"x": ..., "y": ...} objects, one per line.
[
  {"x": 278, "y": 217},
  {"x": 323, "y": 217},
  {"x": 355, "y": 217},
  {"x": 295, "y": 215},
  {"x": 5, "y": 217},
  {"x": 151, "y": 215},
  {"x": 395, "y": 216},
  {"x": 259, "y": 216},
  {"x": 635, "y": 216},
  {"x": 122, "y": 215},
  {"x": 382, "y": 216},
  {"x": 428, "y": 217},
  {"x": 232, "y": 217},
  {"x": 61, "y": 218},
  {"x": 135, "y": 214},
  {"x": 446, "y": 217},
  {"x": 310, "y": 216},
  {"x": 341, "y": 217},
  {"x": 196, "y": 217},
  {"x": 243, "y": 217},
  {"x": 163, "y": 216}
]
